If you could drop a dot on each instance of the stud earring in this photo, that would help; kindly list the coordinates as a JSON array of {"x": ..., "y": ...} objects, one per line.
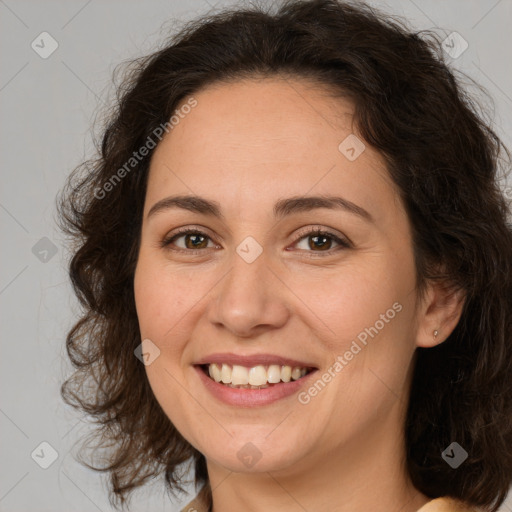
[{"x": 436, "y": 332}]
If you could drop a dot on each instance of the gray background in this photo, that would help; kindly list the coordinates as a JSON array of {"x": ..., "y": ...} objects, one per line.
[{"x": 48, "y": 107}]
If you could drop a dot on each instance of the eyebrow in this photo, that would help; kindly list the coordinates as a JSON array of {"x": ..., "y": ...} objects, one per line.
[{"x": 282, "y": 207}]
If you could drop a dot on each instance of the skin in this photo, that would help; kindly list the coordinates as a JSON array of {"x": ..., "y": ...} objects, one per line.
[{"x": 246, "y": 145}]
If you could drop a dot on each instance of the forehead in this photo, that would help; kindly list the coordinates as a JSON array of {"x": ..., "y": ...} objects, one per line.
[
  {"x": 275, "y": 112},
  {"x": 257, "y": 140}
]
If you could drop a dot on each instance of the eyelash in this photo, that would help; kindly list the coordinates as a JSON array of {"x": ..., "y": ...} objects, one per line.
[{"x": 343, "y": 244}]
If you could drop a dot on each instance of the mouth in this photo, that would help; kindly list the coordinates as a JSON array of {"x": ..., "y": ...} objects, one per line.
[{"x": 256, "y": 377}]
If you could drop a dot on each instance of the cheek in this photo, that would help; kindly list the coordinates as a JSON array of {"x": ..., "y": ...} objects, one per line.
[
  {"x": 155, "y": 288},
  {"x": 350, "y": 300},
  {"x": 370, "y": 315},
  {"x": 168, "y": 300},
  {"x": 161, "y": 303},
  {"x": 157, "y": 299}
]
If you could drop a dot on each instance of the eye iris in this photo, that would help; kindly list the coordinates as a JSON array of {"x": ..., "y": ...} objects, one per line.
[
  {"x": 316, "y": 241},
  {"x": 323, "y": 240},
  {"x": 189, "y": 237}
]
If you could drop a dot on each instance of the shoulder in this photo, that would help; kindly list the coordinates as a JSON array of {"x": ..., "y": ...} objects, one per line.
[
  {"x": 200, "y": 504},
  {"x": 447, "y": 505}
]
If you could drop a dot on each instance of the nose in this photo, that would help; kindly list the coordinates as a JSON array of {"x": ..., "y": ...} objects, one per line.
[{"x": 250, "y": 299}]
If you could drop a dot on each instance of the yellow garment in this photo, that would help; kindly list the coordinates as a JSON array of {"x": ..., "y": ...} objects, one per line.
[{"x": 438, "y": 505}]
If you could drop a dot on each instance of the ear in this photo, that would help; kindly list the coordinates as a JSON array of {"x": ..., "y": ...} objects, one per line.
[{"x": 438, "y": 314}]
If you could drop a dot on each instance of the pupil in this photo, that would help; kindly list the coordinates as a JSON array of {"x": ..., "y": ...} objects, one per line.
[
  {"x": 315, "y": 240},
  {"x": 194, "y": 244}
]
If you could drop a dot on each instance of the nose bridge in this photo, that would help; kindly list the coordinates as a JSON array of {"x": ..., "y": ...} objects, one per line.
[{"x": 249, "y": 297}]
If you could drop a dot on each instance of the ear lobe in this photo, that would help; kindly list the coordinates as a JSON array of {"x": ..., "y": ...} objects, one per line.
[{"x": 439, "y": 314}]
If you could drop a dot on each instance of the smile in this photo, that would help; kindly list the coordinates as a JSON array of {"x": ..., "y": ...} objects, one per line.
[
  {"x": 256, "y": 377},
  {"x": 234, "y": 387}
]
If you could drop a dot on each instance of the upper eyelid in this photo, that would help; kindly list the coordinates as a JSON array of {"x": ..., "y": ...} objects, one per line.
[
  {"x": 311, "y": 230},
  {"x": 181, "y": 230},
  {"x": 343, "y": 240}
]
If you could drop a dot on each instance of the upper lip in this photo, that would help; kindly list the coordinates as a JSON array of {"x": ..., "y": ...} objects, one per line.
[{"x": 250, "y": 361}]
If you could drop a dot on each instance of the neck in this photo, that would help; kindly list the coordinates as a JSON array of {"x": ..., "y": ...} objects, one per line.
[{"x": 366, "y": 474}]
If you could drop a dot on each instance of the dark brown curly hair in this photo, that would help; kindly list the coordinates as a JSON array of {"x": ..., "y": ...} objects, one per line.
[{"x": 440, "y": 152}]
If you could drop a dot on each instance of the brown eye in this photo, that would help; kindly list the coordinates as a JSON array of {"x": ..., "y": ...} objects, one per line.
[
  {"x": 190, "y": 240},
  {"x": 195, "y": 241},
  {"x": 321, "y": 241},
  {"x": 317, "y": 241}
]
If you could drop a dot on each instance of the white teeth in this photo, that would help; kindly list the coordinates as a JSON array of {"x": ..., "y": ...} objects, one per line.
[
  {"x": 286, "y": 373},
  {"x": 296, "y": 374},
  {"x": 215, "y": 372},
  {"x": 274, "y": 373},
  {"x": 226, "y": 374},
  {"x": 239, "y": 375},
  {"x": 255, "y": 377}
]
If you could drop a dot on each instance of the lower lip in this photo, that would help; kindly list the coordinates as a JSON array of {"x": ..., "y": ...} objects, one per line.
[{"x": 251, "y": 397}]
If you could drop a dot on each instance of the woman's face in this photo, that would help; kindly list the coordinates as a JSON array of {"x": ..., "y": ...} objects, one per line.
[{"x": 258, "y": 283}]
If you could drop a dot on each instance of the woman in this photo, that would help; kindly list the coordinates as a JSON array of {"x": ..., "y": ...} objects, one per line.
[{"x": 295, "y": 266}]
